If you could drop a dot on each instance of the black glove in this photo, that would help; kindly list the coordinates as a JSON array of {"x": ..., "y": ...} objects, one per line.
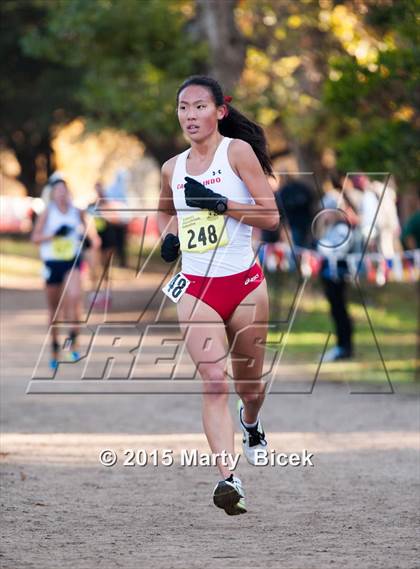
[
  {"x": 63, "y": 230},
  {"x": 170, "y": 248},
  {"x": 197, "y": 195}
]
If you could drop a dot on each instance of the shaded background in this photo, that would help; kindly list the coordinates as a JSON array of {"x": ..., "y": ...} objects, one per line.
[{"x": 327, "y": 79}]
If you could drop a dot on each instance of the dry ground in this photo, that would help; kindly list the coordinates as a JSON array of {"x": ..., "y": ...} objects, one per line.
[{"x": 357, "y": 507}]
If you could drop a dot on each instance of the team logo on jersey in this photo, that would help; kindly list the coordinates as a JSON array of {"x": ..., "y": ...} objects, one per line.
[{"x": 215, "y": 180}]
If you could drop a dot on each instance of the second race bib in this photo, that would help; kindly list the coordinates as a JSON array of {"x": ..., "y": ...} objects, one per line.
[
  {"x": 176, "y": 287},
  {"x": 63, "y": 249},
  {"x": 202, "y": 231}
]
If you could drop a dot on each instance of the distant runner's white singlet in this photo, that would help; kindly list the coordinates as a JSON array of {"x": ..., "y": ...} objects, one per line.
[
  {"x": 61, "y": 248},
  {"x": 200, "y": 256}
]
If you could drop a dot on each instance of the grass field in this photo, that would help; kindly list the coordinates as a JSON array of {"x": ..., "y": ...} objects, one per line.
[{"x": 385, "y": 322}]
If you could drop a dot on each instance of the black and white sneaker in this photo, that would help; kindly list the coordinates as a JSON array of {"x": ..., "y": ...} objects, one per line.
[
  {"x": 253, "y": 439},
  {"x": 229, "y": 495}
]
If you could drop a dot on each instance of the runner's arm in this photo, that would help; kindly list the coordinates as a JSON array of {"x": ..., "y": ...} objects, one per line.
[
  {"x": 166, "y": 217},
  {"x": 264, "y": 213},
  {"x": 38, "y": 236}
]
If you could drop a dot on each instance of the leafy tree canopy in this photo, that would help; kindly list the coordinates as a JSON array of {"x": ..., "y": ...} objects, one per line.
[
  {"x": 326, "y": 73},
  {"x": 133, "y": 55},
  {"x": 372, "y": 94}
]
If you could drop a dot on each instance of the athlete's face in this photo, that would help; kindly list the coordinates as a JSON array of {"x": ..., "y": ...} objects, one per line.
[
  {"x": 197, "y": 112},
  {"x": 60, "y": 194}
]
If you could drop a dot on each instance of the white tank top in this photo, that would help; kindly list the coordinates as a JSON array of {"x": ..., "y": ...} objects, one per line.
[
  {"x": 237, "y": 255},
  {"x": 55, "y": 219}
]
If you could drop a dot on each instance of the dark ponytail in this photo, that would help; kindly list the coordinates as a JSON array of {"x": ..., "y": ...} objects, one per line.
[{"x": 234, "y": 124}]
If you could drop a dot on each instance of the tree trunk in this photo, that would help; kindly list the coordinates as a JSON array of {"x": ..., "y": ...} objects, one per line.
[
  {"x": 35, "y": 161},
  {"x": 216, "y": 23},
  {"x": 309, "y": 161},
  {"x": 26, "y": 157},
  {"x": 161, "y": 150}
]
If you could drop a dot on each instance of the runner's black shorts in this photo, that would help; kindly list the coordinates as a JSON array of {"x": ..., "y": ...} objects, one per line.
[
  {"x": 55, "y": 271},
  {"x": 107, "y": 237}
]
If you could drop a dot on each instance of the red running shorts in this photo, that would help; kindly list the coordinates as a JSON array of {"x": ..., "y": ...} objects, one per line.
[{"x": 225, "y": 294}]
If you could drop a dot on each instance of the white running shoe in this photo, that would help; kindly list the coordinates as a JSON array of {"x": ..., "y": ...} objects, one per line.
[
  {"x": 229, "y": 495},
  {"x": 335, "y": 354},
  {"x": 253, "y": 439}
]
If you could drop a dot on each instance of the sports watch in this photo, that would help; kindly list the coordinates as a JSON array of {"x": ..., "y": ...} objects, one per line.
[{"x": 221, "y": 205}]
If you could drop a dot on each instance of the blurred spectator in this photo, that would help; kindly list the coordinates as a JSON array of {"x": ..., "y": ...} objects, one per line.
[
  {"x": 334, "y": 244},
  {"x": 296, "y": 202},
  {"x": 98, "y": 260},
  {"x": 381, "y": 226},
  {"x": 104, "y": 225},
  {"x": 410, "y": 235},
  {"x": 349, "y": 199},
  {"x": 117, "y": 192}
]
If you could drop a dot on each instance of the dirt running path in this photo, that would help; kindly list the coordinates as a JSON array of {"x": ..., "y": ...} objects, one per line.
[{"x": 357, "y": 507}]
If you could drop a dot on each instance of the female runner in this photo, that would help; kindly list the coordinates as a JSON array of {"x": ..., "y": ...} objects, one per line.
[
  {"x": 58, "y": 231},
  {"x": 211, "y": 196}
]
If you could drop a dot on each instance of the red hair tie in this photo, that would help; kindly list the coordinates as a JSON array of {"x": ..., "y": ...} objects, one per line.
[{"x": 228, "y": 99}]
